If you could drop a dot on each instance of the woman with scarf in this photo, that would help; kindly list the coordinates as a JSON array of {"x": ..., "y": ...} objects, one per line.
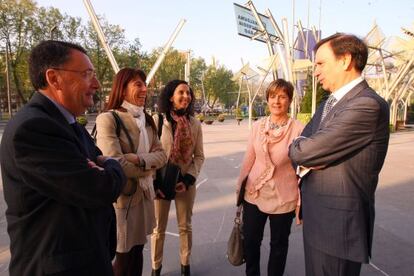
[
  {"x": 140, "y": 153},
  {"x": 272, "y": 186},
  {"x": 182, "y": 140}
]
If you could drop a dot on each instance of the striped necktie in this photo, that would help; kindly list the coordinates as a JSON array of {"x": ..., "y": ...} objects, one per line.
[{"x": 328, "y": 106}]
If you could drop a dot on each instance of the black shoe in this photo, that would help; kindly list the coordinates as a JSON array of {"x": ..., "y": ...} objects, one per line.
[
  {"x": 185, "y": 270},
  {"x": 156, "y": 272}
]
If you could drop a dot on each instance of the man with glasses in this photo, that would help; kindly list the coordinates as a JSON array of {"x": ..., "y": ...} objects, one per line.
[{"x": 58, "y": 187}]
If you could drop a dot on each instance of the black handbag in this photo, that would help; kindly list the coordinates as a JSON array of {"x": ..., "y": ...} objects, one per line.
[{"x": 166, "y": 177}]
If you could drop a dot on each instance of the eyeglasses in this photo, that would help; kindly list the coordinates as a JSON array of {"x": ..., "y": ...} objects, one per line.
[{"x": 88, "y": 73}]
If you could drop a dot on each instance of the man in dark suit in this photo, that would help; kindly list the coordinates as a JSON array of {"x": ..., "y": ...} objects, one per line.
[
  {"x": 58, "y": 187},
  {"x": 344, "y": 145}
]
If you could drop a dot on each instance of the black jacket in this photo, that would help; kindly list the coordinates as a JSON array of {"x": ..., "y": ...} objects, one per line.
[{"x": 60, "y": 212}]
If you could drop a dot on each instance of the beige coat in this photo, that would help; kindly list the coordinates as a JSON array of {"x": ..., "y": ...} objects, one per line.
[
  {"x": 197, "y": 160},
  {"x": 113, "y": 146}
]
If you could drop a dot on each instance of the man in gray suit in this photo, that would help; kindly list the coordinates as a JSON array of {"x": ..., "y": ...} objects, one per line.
[{"x": 344, "y": 146}]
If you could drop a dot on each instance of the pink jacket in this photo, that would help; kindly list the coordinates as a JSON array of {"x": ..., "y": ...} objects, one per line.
[{"x": 272, "y": 182}]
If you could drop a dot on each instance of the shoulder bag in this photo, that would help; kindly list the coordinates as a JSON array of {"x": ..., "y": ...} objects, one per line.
[
  {"x": 166, "y": 177},
  {"x": 235, "y": 253}
]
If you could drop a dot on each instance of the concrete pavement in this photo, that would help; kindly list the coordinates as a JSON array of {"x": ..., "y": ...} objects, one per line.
[{"x": 214, "y": 210}]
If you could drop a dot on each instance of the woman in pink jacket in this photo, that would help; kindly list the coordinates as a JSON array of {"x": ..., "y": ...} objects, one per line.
[{"x": 272, "y": 185}]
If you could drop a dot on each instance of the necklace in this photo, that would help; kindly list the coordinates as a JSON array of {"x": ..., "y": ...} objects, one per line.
[{"x": 275, "y": 126}]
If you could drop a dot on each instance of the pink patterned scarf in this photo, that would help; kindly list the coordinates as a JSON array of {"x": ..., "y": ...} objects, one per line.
[{"x": 181, "y": 151}]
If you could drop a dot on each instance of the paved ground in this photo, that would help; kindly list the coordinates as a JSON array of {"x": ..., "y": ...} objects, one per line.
[{"x": 224, "y": 145}]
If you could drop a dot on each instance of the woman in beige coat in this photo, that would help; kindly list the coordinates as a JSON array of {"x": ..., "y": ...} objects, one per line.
[
  {"x": 140, "y": 155},
  {"x": 182, "y": 140}
]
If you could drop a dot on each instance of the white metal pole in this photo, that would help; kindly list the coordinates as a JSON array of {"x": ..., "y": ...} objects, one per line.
[
  {"x": 238, "y": 94},
  {"x": 202, "y": 88},
  {"x": 187, "y": 67},
  {"x": 282, "y": 56},
  {"x": 264, "y": 31},
  {"x": 314, "y": 87},
  {"x": 406, "y": 104},
  {"x": 8, "y": 82},
  {"x": 250, "y": 109},
  {"x": 101, "y": 35},
  {"x": 384, "y": 73},
  {"x": 165, "y": 50}
]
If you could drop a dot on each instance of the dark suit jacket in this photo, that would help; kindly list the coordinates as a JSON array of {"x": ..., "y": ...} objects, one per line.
[
  {"x": 60, "y": 210},
  {"x": 338, "y": 201}
]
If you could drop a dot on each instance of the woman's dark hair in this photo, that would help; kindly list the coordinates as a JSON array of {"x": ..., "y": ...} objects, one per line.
[
  {"x": 164, "y": 103},
  {"x": 48, "y": 54},
  {"x": 280, "y": 84},
  {"x": 119, "y": 85}
]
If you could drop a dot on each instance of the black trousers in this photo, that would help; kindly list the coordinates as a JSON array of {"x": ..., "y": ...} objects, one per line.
[
  {"x": 318, "y": 263},
  {"x": 254, "y": 222}
]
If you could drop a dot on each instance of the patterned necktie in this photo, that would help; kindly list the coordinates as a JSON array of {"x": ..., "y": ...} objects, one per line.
[{"x": 328, "y": 106}]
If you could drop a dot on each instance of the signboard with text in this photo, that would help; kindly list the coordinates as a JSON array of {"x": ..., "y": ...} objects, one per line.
[{"x": 247, "y": 24}]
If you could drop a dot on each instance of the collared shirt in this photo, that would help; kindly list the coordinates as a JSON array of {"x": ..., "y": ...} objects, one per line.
[
  {"x": 68, "y": 116},
  {"x": 341, "y": 92}
]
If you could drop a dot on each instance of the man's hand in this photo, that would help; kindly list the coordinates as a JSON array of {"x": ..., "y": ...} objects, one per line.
[
  {"x": 180, "y": 187},
  {"x": 100, "y": 160},
  {"x": 159, "y": 194},
  {"x": 92, "y": 164},
  {"x": 297, "y": 219}
]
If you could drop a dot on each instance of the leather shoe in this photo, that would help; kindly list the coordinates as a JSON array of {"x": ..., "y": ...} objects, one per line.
[
  {"x": 156, "y": 272},
  {"x": 185, "y": 270}
]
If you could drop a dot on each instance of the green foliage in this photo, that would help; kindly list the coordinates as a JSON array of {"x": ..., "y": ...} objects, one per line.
[
  {"x": 304, "y": 118},
  {"x": 23, "y": 24},
  {"x": 306, "y": 104},
  {"x": 171, "y": 68},
  {"x": 238, "y": 113},
  {"x": 200, "y": 117},
  {"x": 254, "y": 113},
  {"x": 198, "y": 66},
  {"x": 217, "y": 83},
  {"x": 82, "y": 120},
  {"x": 267, "y": 110},
  {"x": 220, "y": 117}
]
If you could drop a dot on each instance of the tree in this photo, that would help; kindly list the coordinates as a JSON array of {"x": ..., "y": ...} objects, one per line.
[
  {"x": 23, "y": 25},
  {"x": 218, "y": 83},
  {"x": 171, "y": 68},
  {"x": 198, "y": 67},
  {"x": 306, "y": 103},
  {"x": 16, "y": 24}
]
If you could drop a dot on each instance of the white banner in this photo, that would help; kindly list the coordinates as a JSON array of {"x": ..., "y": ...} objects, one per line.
[{"x": 247, "y": 24}]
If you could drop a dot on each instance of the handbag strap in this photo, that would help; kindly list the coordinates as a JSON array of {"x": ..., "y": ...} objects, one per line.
[
  {"x": 120, "y": 125},
  {"x": 160, "y": 123},
  {"x": 242, "y": 191},
  {"x": 238, "y": 219}
]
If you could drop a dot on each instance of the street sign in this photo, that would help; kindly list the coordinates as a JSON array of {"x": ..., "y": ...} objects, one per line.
[{"x": 247, "y": 24}]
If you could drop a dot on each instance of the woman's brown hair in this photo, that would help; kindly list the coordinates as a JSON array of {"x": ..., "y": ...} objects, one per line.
[
  {"x": 120, "y": 83},
  {"x": 280, "y": 84}
]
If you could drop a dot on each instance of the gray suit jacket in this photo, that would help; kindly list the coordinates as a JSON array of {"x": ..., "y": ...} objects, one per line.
[{"x": 338, "y": 201}]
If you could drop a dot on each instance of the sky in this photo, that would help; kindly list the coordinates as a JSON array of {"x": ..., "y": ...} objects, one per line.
[{"x": 211, "y": 31}]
